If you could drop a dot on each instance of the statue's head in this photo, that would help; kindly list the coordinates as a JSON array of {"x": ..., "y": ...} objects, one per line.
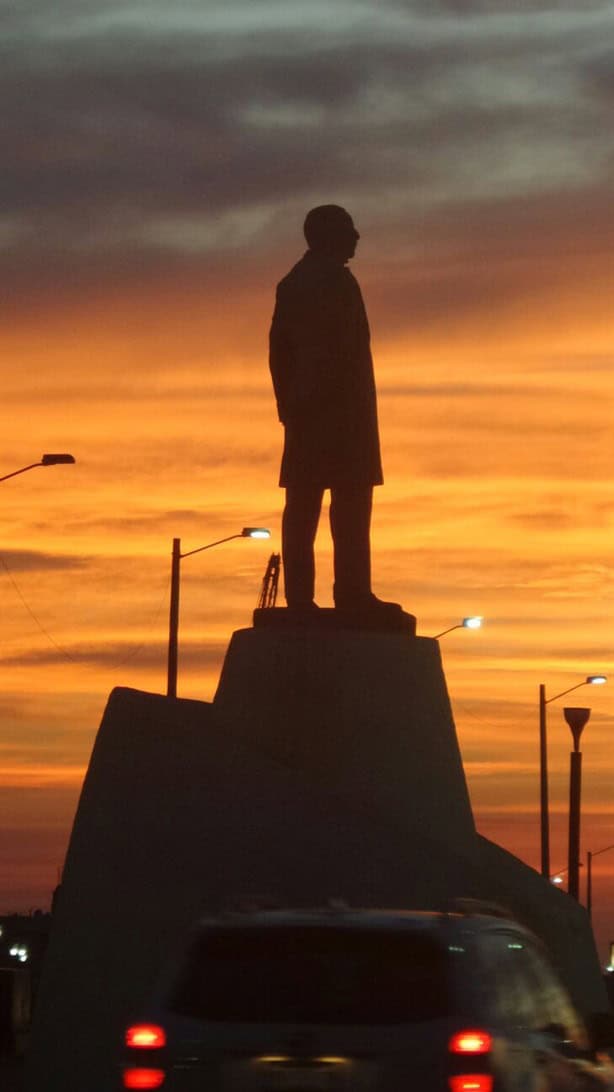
[{"x": 330, "y": 230}]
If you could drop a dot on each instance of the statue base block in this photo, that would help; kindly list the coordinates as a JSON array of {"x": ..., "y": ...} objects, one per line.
[
  {"x": 379, "y": 620},
  {"x": 326, "y": 767}
]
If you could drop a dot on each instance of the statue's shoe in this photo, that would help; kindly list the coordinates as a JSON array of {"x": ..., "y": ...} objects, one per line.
[{"x": 304, "y": 609}]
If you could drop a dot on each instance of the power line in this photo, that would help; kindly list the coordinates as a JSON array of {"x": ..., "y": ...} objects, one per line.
[
  {"x": 63, "y": 651},
  {"x": 132, "y": 654}
]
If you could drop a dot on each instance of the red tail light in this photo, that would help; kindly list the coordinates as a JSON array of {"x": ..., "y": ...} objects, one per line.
[
  {"x": 146, "y": 1037},
  {"x": 478, "y": 1082},
  {"x": 143, "y": 1078},
  {"x": 470, "y": 1041}
]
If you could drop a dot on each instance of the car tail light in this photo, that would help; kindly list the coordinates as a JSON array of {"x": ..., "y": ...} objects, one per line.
[
  {"x": 146, "y": 1037},
  {"x": 143, "y": 1078},
  {"x": 472, "y": 1082},
  {"x": 470, "y": 1041}
]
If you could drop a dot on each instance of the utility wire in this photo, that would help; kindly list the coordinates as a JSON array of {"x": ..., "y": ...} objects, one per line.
[
  {"x": 132, "y": 654},
  {"x": 139, "y": 648},
  {"x": 63, "y": 652}
]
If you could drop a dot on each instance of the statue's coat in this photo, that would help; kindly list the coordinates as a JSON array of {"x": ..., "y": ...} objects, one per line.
[{"x": 322, "y": 370}]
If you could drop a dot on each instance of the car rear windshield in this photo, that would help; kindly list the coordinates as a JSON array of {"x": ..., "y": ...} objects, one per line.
[{"x": 321, "y": 975}]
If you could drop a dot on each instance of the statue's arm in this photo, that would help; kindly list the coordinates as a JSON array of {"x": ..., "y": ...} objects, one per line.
[{"x": 280, "y": 356}]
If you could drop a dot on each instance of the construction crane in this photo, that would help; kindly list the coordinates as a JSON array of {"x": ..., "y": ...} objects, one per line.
[{"x": 268, "y": 594}]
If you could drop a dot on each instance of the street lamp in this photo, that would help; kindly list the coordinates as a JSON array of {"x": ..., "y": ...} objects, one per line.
[
  {"x": 591, "y": 680},
  {"x": 46, "y": 460},
  {"x": 473, "y": 622},
  {"x": 589, "y": 877},
  {"x": 173, "y": 631}
]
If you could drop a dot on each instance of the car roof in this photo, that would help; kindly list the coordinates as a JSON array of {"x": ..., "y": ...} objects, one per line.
[{"x": 345, "y": 917}]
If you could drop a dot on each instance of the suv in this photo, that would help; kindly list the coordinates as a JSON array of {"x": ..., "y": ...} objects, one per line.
[{"x": 362, "y": 1000}]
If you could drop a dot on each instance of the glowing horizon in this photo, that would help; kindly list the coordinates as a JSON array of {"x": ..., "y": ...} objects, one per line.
[{"x": 160, "y": 169}]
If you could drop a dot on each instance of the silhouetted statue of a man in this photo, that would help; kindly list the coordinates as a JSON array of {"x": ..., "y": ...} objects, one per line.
[{"x": 322, "y": 371}]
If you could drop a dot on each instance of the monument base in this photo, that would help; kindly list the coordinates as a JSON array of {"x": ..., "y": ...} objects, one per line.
[
  {"x": 327, "y": 766},
  {"x": 387, "y": 620}
]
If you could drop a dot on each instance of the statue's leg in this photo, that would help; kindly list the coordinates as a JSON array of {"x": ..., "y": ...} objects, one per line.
[
  {"x": 298, "y": 531},
  {"x": 350, "y": 524}
]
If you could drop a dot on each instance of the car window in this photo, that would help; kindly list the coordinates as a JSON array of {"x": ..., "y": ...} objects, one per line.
[
  {"x": 314, "y": 974},
  {"x": 521, "y": 989},
  {"x": 554, "y": 1006},
  {"x": 504, "y": 981}
]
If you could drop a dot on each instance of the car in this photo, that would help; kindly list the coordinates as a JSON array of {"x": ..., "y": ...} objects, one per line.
[{"x": 338, "y": 999}]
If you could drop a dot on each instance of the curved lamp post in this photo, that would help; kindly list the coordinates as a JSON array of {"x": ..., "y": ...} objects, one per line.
[
  {"x": 173, "y": 631},
  {"x": 590, "y": 680},
  {"x": 473, "y": 622},
  {"x": 46, "y": 460}
]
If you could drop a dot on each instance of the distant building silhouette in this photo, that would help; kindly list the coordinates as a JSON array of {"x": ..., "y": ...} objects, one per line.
[{"x": 23, "y": 942}]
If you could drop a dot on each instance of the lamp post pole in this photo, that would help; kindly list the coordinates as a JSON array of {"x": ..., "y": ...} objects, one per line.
[
  {"x": 543, "y": 784},
  {"x": 573, "y": 845},
  {"x": 173, "y": 624},
  {"x": 591, "y": 680},
  {"x": 589, "y": 877},
  {"x": 576, "y": 719}
]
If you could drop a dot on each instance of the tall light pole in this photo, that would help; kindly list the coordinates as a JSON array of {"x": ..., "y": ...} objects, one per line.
[
  {"x": 590, "y": 680},
  {"x": 576, "y": 719},
  {"x": 173, "y": 628},
  {"x": 589, "y": 877},
  {"x": 473, "y": 622},
  {"x": 46, "y": 460}
]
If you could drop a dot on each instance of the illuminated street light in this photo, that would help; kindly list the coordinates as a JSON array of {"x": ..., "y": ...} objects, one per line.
[
  {"x": 46, "y": 460},
  {"x": 255, "y": 532},
  {"x": 173, "y": 634},
  {"x": 20, "y": 952},
  {"x": 474, "y": 621},
  {"x": 590, "y": 680}
]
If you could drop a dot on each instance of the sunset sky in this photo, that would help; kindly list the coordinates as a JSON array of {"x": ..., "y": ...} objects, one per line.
[{"x": 161, "y": 161}]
